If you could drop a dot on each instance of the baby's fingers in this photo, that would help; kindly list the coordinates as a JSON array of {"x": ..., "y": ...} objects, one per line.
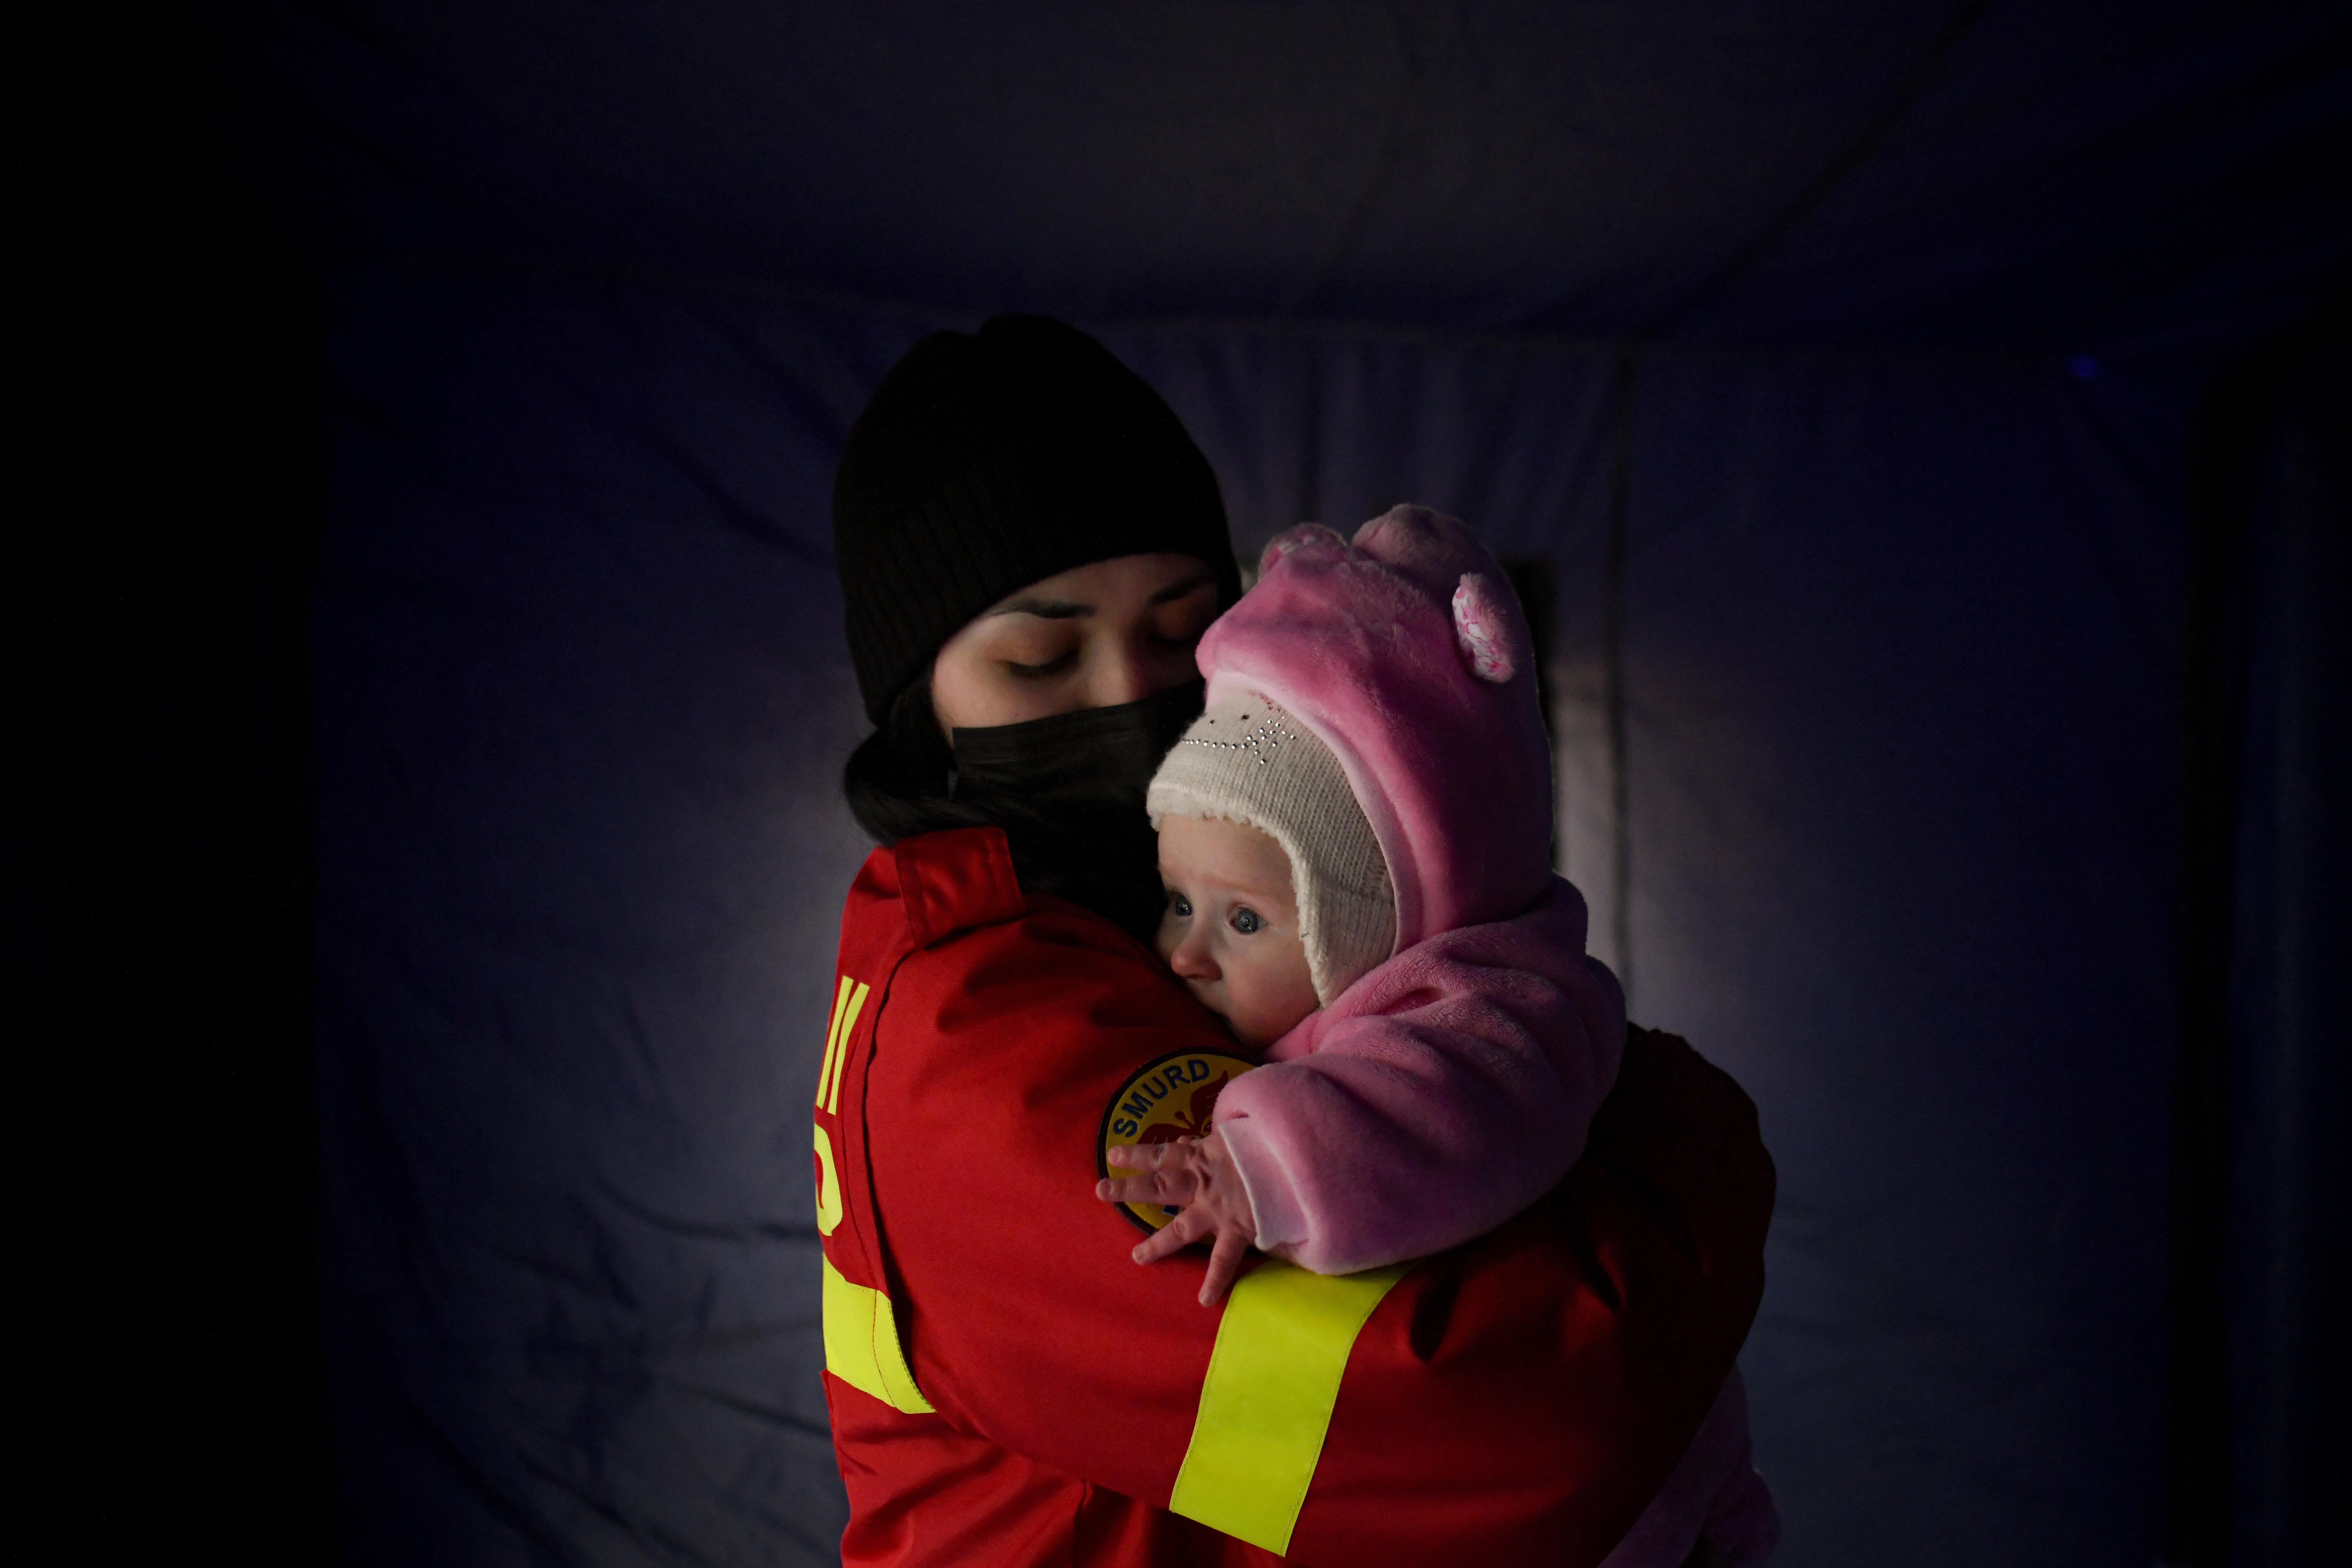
[
  {"x": 1176, "y": 1186},
  {"x": 1146, "y": 1156},
  {"x": 1225, "y": 1262},
  {"x": 1168, "y": 1239}
]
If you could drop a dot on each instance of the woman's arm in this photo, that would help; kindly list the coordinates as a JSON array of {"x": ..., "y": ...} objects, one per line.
[{"x": 1521, "y": 1397}]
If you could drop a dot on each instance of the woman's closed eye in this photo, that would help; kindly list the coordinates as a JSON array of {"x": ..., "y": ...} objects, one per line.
[
  {"x": 1181, "y": 621},
  {"x": 1062, "y": 664},
  {"x": 1186, "y": 633}
]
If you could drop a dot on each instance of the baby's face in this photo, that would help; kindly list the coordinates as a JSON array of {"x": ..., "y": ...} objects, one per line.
[{"x": 1230, "y": 928}]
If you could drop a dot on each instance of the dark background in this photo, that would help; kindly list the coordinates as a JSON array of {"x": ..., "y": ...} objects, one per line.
[{"x": 1930, "y": 421}]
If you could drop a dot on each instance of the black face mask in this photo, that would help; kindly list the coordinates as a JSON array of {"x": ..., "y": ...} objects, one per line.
[{"x": 1068, "y": 792}]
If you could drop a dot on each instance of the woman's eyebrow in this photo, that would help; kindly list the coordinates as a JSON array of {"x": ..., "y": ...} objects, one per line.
[
  {"x": 1192, "y": 585},
  {"x": 1048, "y": 609},
  {"x": 1069, "y": 609}
]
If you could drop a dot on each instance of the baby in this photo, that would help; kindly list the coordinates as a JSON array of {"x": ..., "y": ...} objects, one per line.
[{"x": 1355, "y": 838}]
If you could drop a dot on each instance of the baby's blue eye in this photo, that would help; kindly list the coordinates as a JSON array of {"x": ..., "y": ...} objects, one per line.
[
  {"x": 1180, "y": 906},
  {"x": 1245, "y": 921}
]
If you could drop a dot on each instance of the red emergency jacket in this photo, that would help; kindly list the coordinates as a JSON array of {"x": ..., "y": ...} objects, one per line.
[{"x": 1007, "y": 1386}]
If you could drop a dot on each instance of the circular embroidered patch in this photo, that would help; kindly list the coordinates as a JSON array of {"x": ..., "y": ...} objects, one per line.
[{"x": 1165, "y": 1100}]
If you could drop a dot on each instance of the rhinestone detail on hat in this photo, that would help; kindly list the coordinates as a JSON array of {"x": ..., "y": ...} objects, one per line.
[{"x": 1261, "y": 740}]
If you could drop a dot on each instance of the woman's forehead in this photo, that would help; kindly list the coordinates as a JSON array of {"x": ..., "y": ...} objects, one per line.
[{"x": 1135, "y": 582}]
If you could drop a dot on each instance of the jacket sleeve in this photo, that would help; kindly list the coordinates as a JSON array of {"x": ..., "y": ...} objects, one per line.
[
  {"x": 1444, "y": 1094},
  {"x": 1518, "y": 1400}
]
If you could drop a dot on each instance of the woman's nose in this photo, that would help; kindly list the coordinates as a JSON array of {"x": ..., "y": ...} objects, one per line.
[
  {"x": 1133, "y": 666},
  {"x": 1121, "y": 676}
]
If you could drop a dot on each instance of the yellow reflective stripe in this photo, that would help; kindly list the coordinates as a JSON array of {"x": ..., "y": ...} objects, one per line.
[
  {"x": 1266, "y": 1404},
  {"x": 841, "y": 1055},
  {"x": 861, "y": 1345},
  {"x": 828, "y": 1185},
  {"x": 833, "y": 1039}
]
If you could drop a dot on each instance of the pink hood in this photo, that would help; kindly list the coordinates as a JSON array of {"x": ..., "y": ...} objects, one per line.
[{"x": 1406, "y": 653}]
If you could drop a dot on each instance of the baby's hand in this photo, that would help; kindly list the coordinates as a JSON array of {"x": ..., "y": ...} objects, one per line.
[{"x": 1197, "y": 1174}]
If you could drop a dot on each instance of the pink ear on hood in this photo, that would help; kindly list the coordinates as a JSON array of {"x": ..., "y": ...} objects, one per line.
[{"x": 1485, "y": 627}]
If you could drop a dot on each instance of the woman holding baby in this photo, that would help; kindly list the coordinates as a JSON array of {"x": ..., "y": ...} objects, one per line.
[{"x": 1274, "y": 962}]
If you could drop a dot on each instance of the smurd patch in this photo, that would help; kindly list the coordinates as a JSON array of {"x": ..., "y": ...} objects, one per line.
[{"x": 1166, "y": 1099}]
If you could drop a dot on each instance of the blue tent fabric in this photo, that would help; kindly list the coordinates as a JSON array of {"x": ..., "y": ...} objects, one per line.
[
  {"x": 2063, "y": 175},
  {"x": 2287, "y": 1009},
  {"x": 1879, "y": 549},
  {"x": 583, "y": 700},
  {"x": 1903, "y": 778}
]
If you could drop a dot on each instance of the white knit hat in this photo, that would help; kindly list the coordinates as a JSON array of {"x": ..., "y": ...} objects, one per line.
[{"x": 1246, "y": 760}]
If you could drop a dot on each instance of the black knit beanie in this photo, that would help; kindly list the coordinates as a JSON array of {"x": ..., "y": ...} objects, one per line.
[{"x": 988, "y": 462}]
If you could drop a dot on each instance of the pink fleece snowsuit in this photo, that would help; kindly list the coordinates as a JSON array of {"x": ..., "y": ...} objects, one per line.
[{"x": 1450, "y": 1086}]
